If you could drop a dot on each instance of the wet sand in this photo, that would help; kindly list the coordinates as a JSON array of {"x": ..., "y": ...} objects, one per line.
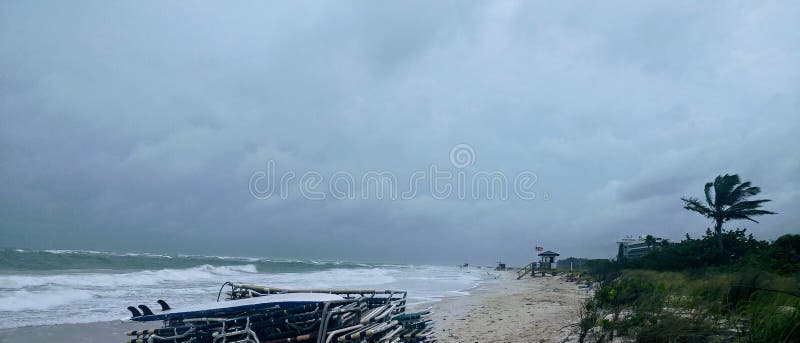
[{"x": 102, "y": 332}]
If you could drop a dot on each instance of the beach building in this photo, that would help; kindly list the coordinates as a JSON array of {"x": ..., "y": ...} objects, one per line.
[
  {"x": 633, "y": 247},
  {"x": 548, "y": 261}
]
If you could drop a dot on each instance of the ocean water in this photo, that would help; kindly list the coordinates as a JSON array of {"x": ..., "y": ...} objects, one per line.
[{"x": 39, "y": 287}]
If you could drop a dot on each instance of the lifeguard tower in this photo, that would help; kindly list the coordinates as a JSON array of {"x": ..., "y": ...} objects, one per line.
[
  {"x": 546, "y": 264},
  {"x": 548, "y": 261}
]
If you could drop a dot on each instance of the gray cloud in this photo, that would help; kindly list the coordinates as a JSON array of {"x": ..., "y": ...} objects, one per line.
[{"x": 136, "y": 126}]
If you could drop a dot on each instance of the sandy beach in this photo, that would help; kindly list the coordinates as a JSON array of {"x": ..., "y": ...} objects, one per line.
[
  {"x": 498, "y": 310},
  {"x": 510, "y": 310}
]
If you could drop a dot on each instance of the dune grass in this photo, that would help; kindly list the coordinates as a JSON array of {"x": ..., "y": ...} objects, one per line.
[{"x": 714, "y": 306}]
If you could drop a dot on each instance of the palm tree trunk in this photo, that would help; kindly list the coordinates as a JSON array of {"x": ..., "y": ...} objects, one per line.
[{"x": 718, "y": 230}]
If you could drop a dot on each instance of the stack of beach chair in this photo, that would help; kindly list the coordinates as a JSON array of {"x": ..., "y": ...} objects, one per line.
[{"x": 344, "y": 316}]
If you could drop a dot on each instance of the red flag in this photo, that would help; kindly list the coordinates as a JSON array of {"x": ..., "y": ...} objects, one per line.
[{"x": 539, "y": 248}]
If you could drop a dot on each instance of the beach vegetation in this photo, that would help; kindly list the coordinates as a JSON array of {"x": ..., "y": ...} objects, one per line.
[
  {"x": 656, "y": 306},
  {"x": 725, "y": 286}
]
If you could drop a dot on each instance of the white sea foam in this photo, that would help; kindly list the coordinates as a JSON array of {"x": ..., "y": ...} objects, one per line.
[
  {"x": 141, "y": 278},
  {"x": 27, "y": 300},
  {"x": 61, "y": 252},
  {"x": 78, "y": 297}
]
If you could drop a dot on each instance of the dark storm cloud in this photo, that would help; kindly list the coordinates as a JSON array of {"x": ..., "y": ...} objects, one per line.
[{"x": 138, "y": 126}]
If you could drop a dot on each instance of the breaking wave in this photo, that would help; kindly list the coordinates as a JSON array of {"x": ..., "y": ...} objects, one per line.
[{"x": 68, "y": 286}]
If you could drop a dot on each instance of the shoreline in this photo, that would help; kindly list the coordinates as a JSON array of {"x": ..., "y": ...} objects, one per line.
[{"x": 495, "y": 310}]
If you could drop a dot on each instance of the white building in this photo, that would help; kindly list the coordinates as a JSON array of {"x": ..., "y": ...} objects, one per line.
[{"x": 633, "y": 247}]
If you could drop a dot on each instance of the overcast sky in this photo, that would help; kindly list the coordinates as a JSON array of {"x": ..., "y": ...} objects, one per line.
[{"x": 138, "y": 126}]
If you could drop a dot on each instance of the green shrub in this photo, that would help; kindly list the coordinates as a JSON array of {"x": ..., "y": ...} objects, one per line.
[{"x": 652, "y": 306}]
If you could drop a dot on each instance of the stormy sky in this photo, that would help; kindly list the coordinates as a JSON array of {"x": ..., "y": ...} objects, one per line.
[{"x": 139, "y": 126}]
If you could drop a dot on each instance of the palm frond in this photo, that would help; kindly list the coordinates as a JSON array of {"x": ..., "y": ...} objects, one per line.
[
  {"x": 740, "y": 192},
  {"x": 746, "y": 205},
  {"x": 717, "y": 186},
  {"x": 756, "y": 212},
  {"x": 708, "y": 193},
  {"x": 746, "y": 214},
  {"x": 694, "y": 204},
  {"x": 723, "y": 186},
  {"x": 751, "y": 191}
]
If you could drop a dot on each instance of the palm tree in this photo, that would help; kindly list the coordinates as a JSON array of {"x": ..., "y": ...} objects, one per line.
[{"x": 729, "y": 200}]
